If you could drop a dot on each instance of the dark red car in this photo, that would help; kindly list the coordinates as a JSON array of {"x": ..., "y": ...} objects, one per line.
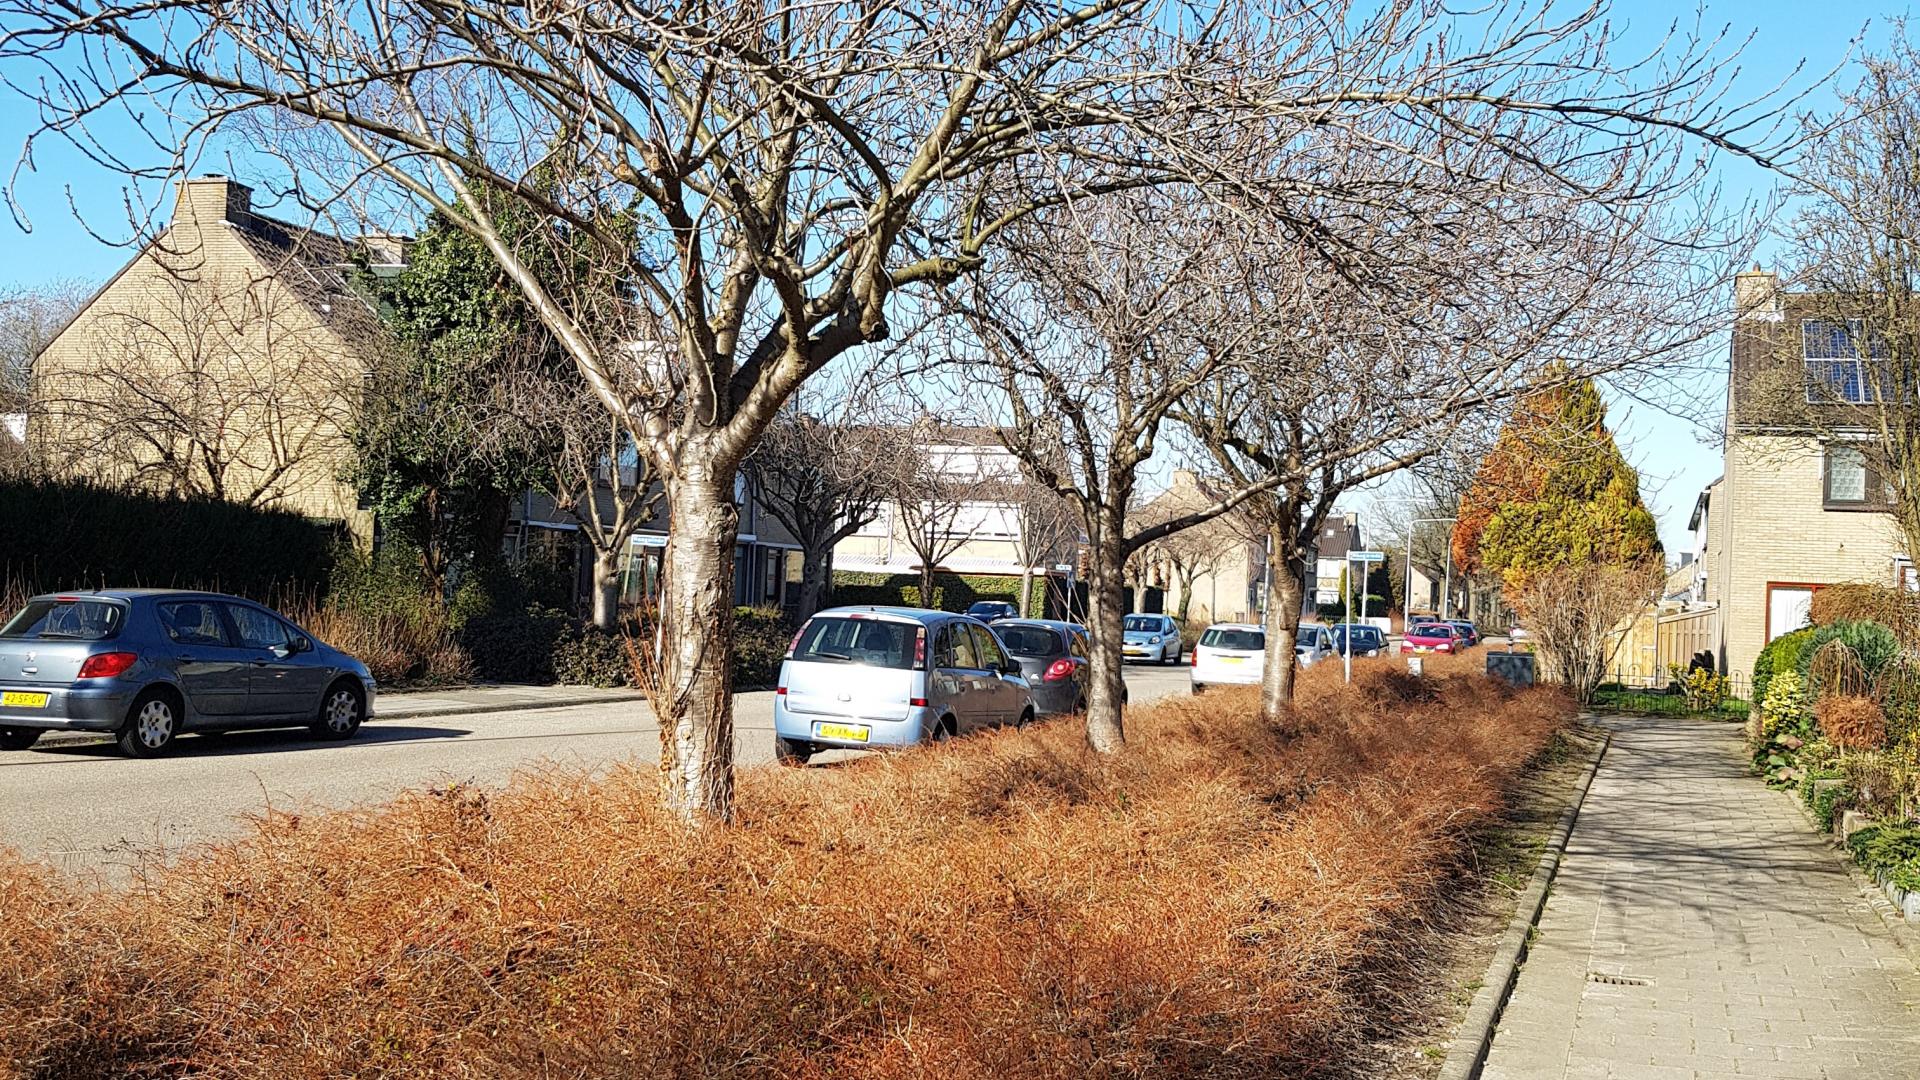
[{"x": 1431, "y": 637}]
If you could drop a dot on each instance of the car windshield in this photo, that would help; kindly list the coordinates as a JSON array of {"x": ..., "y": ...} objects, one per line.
[
  {"x": 1245, "y": 640},
  {"x": 78, "y": 619},
  {"x": 986, "y": 607},
  {"x": 1143, "y": 624},
  {"x": 1433, "y": 630},
  {"x": 859, "y": 641},
  {"x": 1030, "y": 640},
  {"x": 1308, "y": 636}
]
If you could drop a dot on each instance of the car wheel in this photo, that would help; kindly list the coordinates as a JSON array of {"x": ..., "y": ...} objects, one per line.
[
  {"x": 18, "y": 738},
  {"x": 793, "y": 752},
  {"x": 1025, "y": 719},
  {"x": 340, "y": 712},
  {"x": 942, "y": 731},
  {"x": 151, "y": 724},
  {"x": 1170, "y": 660}
]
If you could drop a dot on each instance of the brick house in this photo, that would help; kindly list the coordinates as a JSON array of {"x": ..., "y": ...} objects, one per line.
[
  {"x": 1792, "y": 511},
  {"x": 219, "y": 360}
]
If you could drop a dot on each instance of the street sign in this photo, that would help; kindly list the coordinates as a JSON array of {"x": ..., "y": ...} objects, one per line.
[{"x": 1367, "y": 556}]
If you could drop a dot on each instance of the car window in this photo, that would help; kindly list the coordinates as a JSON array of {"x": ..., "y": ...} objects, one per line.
[
  {"x": 1030, "y": 640},
  {"x": 1077, "y": 644},
  {"x": 194, "y": 622},
  {"x": 986, "y": 648},
  {"x": 960, "y": 650},
  {"x": 83, "y": 620},
  {"x": 1219, "y": 638},
  {"x": 1145, "y": 624},
  {"x": 256, "y": 628},
  {"x": 858, "y": 641}
]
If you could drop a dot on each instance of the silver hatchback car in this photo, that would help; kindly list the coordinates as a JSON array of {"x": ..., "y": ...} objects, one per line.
[
  {"x": 869, "y": 677},
  {"x": 147, "y": 664}
]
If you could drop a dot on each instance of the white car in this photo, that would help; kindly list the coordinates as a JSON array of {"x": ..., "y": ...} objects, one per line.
[
  {"x": 1229, "y": 654},
  {"x": 1313, "y": 644}
]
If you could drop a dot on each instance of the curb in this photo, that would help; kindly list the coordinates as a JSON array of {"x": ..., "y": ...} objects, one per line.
[
  {"x": 1870, "y": 890},
  {"x": 71, "y": 738},
  {"x": 1474, "y": 1038}
]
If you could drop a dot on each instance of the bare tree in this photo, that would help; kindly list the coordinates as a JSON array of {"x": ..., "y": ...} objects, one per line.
[
  {"x": 1046, "y": 532},
  {"x": 823, "y": 470},
  {"x": 29, "y": 318},
  {"x": 1847, "y": 341},
  {"x": 941, "y": 493},
  {"x": 1577, "y": 614},
  {"x": 768, "y": 178},
  {"x": 218, "y": 387}
]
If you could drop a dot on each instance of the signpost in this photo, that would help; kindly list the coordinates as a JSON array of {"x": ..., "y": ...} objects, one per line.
[{"x": 1364, "y": 558}]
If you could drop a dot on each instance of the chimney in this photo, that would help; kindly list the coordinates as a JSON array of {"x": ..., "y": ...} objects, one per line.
[
  {"x": 386, "y": 251},
  {"x": 211, "y": 198},
  {"x": 1756, "y": 294}
]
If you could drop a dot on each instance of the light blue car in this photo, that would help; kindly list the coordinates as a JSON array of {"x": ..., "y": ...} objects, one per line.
[
  {"x": 1150, "y": 637},
  {"x": 871, "y": 677}
]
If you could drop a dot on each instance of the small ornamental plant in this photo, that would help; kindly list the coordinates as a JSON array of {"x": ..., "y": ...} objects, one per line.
[{"x": 1852, "y": 723}]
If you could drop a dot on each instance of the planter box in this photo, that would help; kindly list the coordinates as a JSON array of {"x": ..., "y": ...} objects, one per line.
[{"x": 1850, "y": 822}]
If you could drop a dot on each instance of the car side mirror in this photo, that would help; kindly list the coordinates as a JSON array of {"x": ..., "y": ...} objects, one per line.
[{"x": 1010, "y": 667}]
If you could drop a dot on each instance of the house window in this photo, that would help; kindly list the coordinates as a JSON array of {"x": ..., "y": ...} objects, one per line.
[
  {"x": 1848, "y": 483},
  {"x": 1836, "y": 368}
]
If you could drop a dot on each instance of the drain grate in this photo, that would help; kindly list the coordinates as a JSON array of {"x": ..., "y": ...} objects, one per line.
[{"x": 1616, "y": 980}]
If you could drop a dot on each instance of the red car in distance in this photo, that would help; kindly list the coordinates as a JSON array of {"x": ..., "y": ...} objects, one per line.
[{"x": 1431, "y": 637}]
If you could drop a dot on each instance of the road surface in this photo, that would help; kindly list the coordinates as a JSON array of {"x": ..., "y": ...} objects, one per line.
[{"x": 83, "y": 807}]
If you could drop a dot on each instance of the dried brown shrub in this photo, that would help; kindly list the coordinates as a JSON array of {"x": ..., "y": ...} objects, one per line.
[
  {"x": 1222, "y": 899},
  {"x": 1852, "y": 722},
  {"x": 1834, "y": 670},
  {"x": 1896, "y": 609}
]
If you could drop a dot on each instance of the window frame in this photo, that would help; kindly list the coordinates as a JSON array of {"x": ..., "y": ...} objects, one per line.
[
  {"x": 1854, "y": 330},
  {"x": 1875, "y": 498}
]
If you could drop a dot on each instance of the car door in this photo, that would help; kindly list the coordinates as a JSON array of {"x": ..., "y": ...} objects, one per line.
[
  {"x": 212, "y": 670},
  {"x": 960, "y": 677},
  {"x": 281, "y": 681},
  {"x": 1004, "y": 696}
]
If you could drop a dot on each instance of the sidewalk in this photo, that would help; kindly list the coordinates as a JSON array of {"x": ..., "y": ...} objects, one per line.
[{"x": 1698, "y": 928}]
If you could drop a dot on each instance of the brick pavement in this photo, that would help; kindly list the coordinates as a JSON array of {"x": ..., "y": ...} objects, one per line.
[{"x": 1698, "y": 929}]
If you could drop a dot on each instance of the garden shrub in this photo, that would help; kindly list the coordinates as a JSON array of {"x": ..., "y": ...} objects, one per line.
[
  {"x": 1873, "y": 645},
  {"x": 589, "y": 656},
  {"x": 1780, "y": 654},
  {"x": 1892, "y": 850},
  {"x": 951, "y": 592},
  {"x": 1897, "y": 689},
  {"x": 1705, "y": 690},
  {"x": 760, "y": 640},
  {"x": 1858, "y": 601},
  {"x": 516, "y": 647},
  {"x": 1787, "y": 723},
  {"x": 1852, "y": 723}
]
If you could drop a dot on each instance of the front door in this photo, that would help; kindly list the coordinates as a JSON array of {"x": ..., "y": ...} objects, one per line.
[
  {"x": 213, "y": 671},
  {"x": 1788, "y": 607},
  {"x": 1003, "y": 697}
]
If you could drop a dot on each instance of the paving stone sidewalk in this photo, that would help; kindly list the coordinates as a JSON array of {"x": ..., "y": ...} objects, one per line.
[{"x": 1699, "y": 929}]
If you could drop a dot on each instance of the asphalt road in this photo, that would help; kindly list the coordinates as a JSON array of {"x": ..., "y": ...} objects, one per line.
[{"x": 83, "y": 807}]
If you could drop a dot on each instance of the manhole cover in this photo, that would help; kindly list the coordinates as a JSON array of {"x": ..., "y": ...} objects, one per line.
[{"x": 1616, "y": 980}]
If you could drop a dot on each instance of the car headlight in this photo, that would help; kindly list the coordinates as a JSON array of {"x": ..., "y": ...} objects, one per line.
[{"x": 1154, "y": 640}]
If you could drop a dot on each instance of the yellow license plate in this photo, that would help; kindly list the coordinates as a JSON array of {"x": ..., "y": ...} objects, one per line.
[
  {"x": 20, "y": 699},
  {"x": 853, "y": 732},
  {"x": 1232, "y": 659}
]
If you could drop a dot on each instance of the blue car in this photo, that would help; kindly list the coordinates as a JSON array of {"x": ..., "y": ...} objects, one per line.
[
  {"x": 872, "y": 677},
  {"x": 1150, "y": 637},
  {"x": 146, "y": 665}
]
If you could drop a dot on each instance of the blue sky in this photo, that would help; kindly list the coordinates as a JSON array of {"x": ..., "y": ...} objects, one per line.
[{"x": 1671, "y": 452}]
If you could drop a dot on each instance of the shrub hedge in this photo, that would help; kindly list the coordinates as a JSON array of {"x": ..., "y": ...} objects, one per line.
[
  {"x": 1781, "y": 654},
  {"x": 60, "y": 534},
  {"x": 951, "y": 592},
  {"x": 1871, "y": 643}
]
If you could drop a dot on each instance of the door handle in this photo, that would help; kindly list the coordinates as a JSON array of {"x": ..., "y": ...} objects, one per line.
[{"x": 186, "y": 659}]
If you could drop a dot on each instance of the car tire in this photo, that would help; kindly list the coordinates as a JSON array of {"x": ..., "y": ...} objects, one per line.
[
  {"x": 791, "y": 752},
  {"x": 341, "y": 711},
  {"x": 942, "y": 731},
  {"x": 18, "y": 738},
  {"x": 151, "y": 725},
  {"x": 1025, "y": 719}
]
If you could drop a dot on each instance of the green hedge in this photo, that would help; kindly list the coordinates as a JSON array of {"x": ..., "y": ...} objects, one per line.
[
  {"x": 57, "y": 534},
  {"x": 951, "y": 592},
  {"x": 1890, "y": 850},
  {"x": 1781, "y": 654},
  {"x": 544, "y": 645}
]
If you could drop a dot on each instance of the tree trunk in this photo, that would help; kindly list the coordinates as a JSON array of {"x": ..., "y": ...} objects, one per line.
[
  {"x": 693, "y": 692},
  {"x": 1026, "y": 588},
  {"x": 926, "y": 584},
  {"x": 1284, "y": 596},
  {"x": 813, "y": 582},
  {"x": 1106, "y": 611},
  {"x": 606, "y": 590}
]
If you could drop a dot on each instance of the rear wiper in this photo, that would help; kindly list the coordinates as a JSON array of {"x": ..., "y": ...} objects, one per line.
[
  {"x": 58, "y": 634},
  {"x": 832, "y": 655}
]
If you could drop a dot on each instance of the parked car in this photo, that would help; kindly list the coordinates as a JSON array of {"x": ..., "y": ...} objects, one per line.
[
  {"x": 1228, "y": 654},
  {"x": 1312, "y": 643},
  {"x": 1150, "y": 637},
  {"x": 992, "y": 610},
  {"x": 1367, "y": 640},
  {"x": 147, "y": 665},
  {"x": 1054, "y": 658},
  {"x": 1469, "y": 633},
  {"x": 1431, "y": 637},
  {"x": 875, "y": 677}
]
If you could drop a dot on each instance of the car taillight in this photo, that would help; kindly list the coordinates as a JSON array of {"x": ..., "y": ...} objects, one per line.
[
  {"x": 780, "y": 691},
  {"x": 1059, "y": 669},
  {"x": 918, "y": 702},
  {"x": 1195, "y": 662},
  {"x": 107, "y": 664}
]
